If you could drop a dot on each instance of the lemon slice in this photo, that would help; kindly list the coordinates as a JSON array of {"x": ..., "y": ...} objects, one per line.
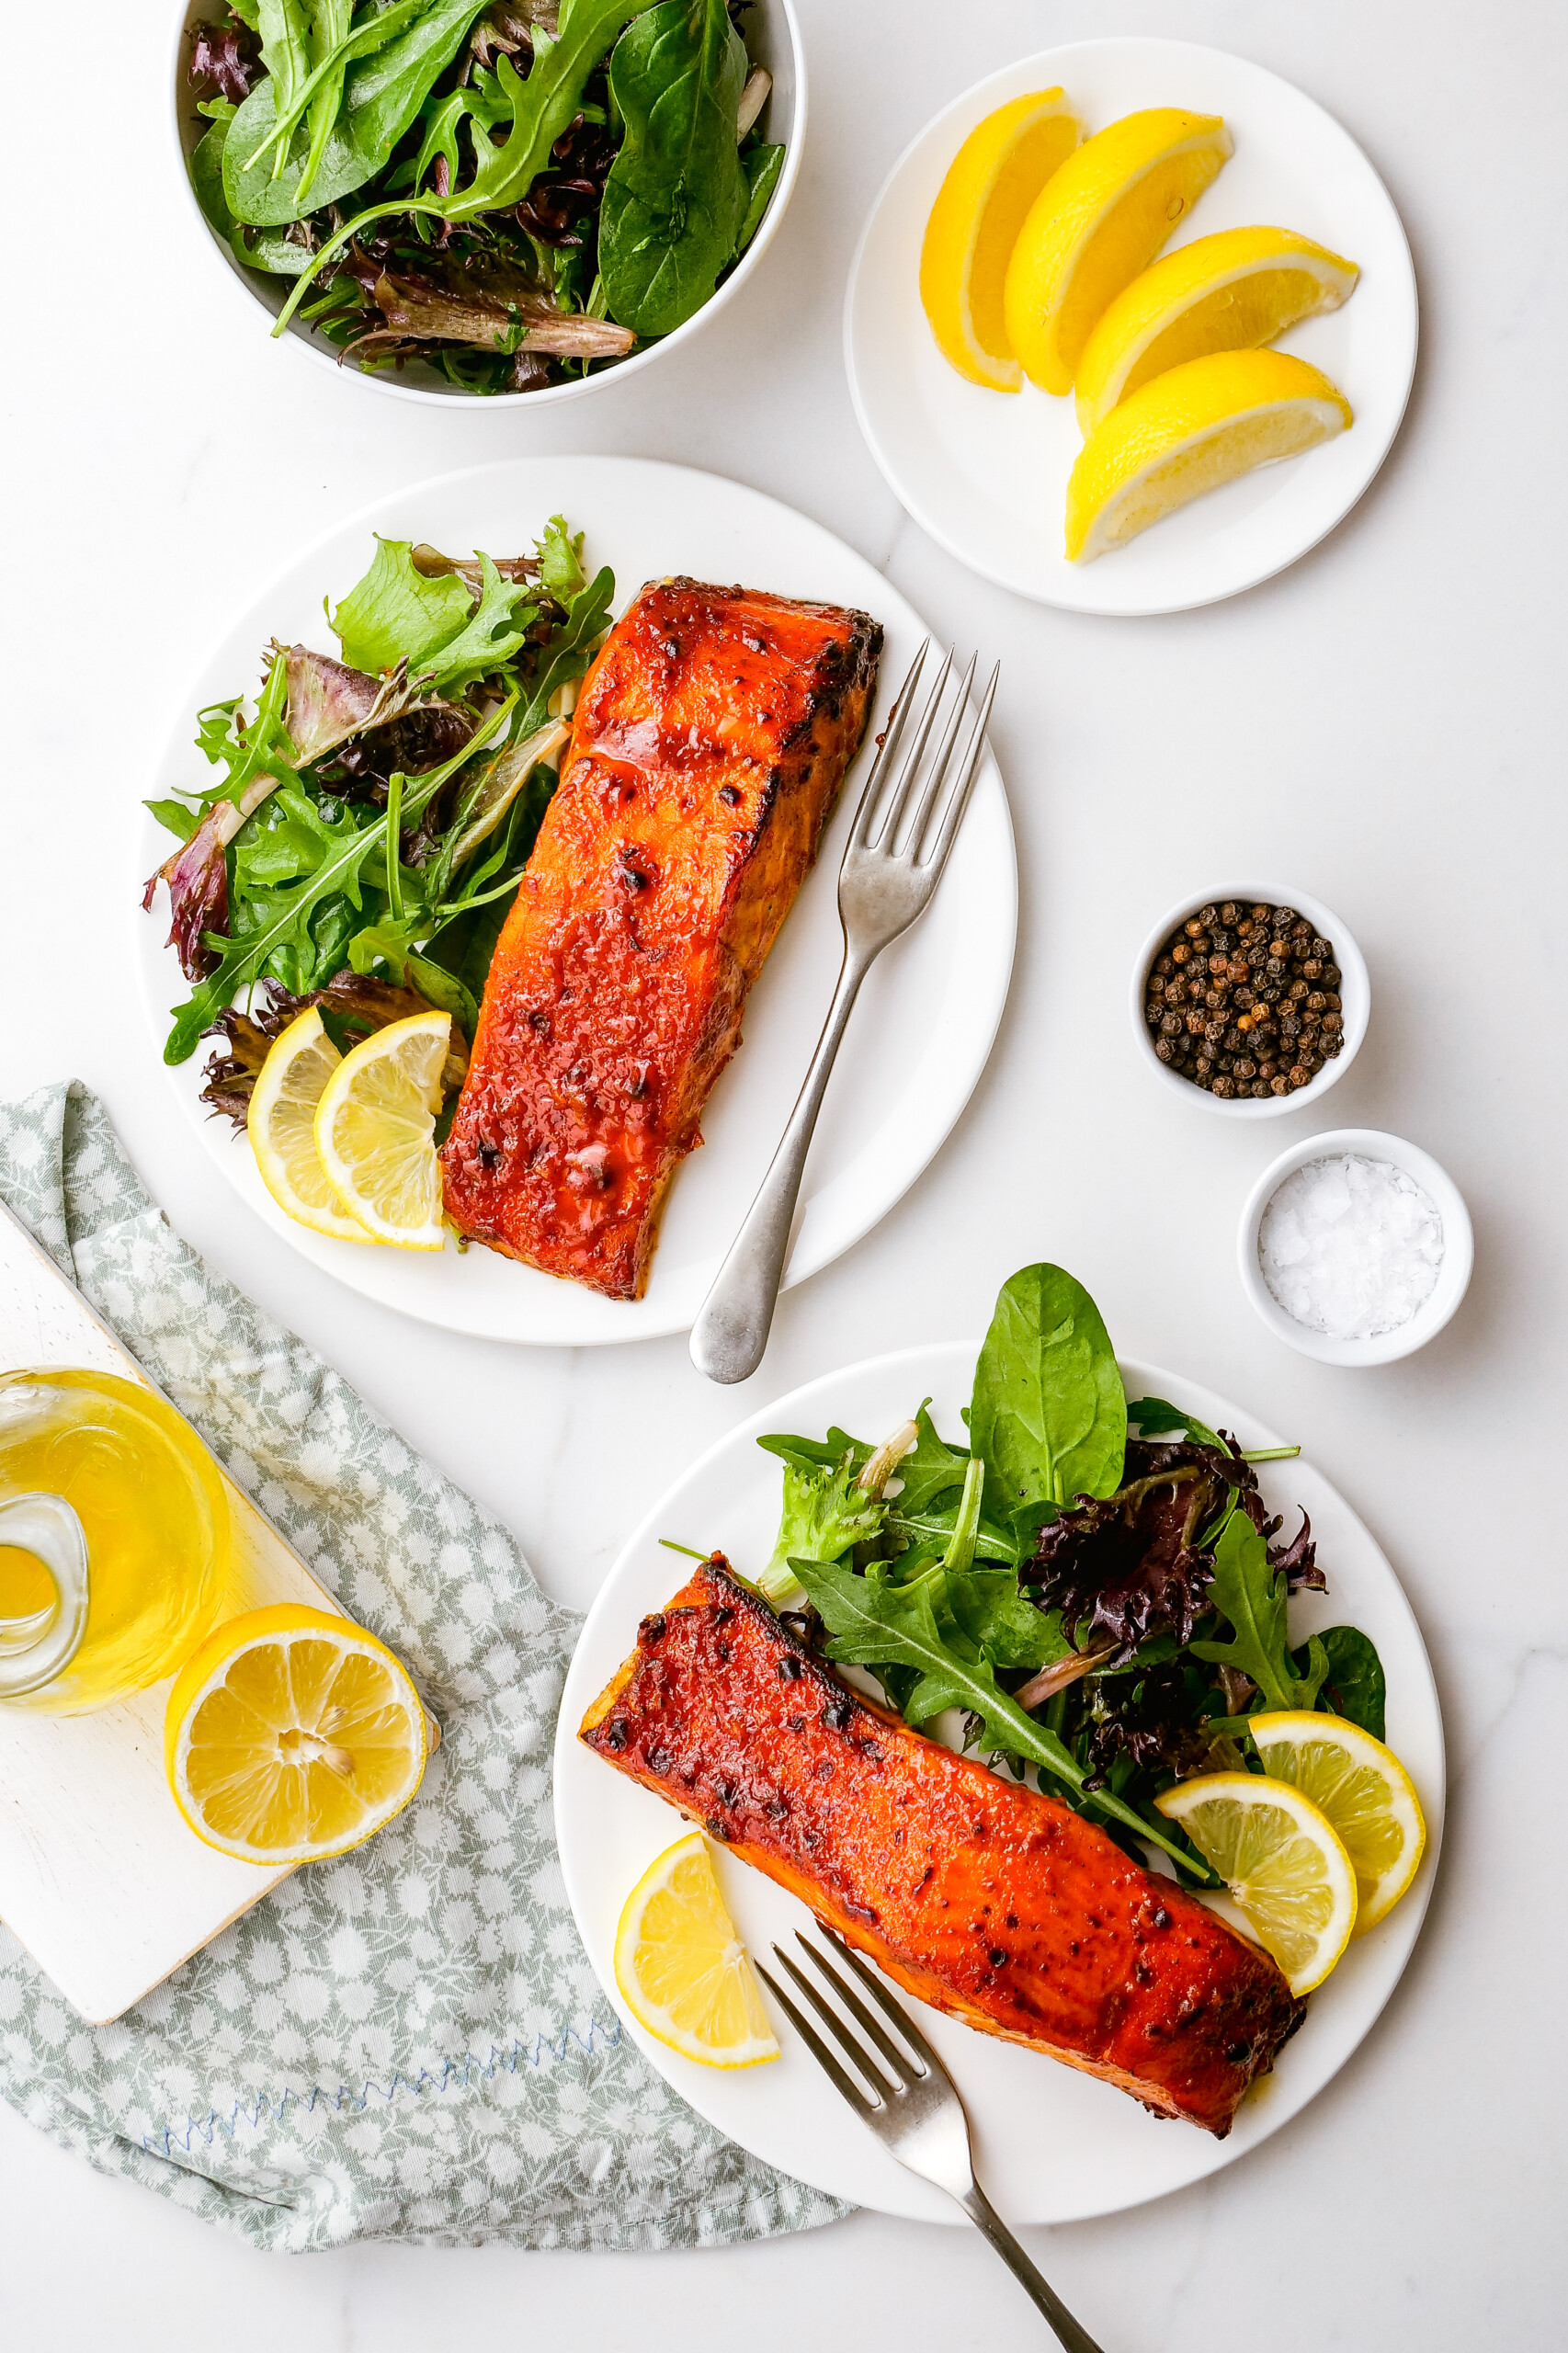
[
  {"x": 291, "y": 1734},
  {"x": 1283, "y": 1861},
  {"x": 991, "y": 184},
  {"x": 1095, "y": 223},
  {"x": 682, "y": 1968},
  {"x": 1188, "y": 432},
  {"x": 1365, "y": 1793},
  {"x": 280, "y": 1122},
  {"x": 375, "y": 1127},
  {"x": 1229, "y": 292}
]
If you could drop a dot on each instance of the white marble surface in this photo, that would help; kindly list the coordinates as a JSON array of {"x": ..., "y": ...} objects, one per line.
[{"x": 1381, "y": 726}]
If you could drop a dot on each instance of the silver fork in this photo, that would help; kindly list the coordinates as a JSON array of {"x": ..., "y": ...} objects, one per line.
[
  {"x": 884, "y": 884},
  {"x": 912, "y": 2105}
]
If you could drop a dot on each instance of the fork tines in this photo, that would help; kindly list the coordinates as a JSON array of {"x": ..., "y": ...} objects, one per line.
[
  {"x": 906, "y": 2071},
  {"x": 899, "y": 828}
]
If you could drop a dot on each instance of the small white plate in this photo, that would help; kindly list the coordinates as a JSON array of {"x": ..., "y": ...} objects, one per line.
[
  {"x": 926, "y": 1017},
  {"x": 1054, "y": 2145},
  {"x": 985, "y": 473}
]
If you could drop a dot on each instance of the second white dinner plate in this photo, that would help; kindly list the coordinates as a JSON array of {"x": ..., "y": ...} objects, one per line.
[
  {"x": 926, "y": 1016},
  {"x": 985, "y": 473},
  {"x": 1051, "y": 2145}
]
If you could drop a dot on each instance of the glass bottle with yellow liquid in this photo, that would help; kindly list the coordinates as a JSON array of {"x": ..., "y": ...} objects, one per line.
[{"x": 114, "y": 1533}]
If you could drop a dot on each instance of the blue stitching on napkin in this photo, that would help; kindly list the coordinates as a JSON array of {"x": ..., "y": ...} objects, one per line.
[{"x": 460, "y": 2072}]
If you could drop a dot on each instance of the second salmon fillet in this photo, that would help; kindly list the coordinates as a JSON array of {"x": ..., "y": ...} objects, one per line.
[{"x": 712, "y": 738}]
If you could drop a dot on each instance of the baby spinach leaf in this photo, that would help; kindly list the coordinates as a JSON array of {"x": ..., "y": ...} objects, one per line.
[
  {"x": 875, "y": 1624},
  {"x": 1252, "y": 1596},
  {"x": 207, "y": 167},
  {"x": 929, "y": 1469},
  {"x": 1049, "y": 1413},
  {"x": 675, "y": 198},
  {"x": 1355, "y": 1686},
  {"x": 762, "y": 166}
]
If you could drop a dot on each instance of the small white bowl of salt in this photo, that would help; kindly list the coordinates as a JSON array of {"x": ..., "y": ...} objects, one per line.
[{"x": 1356, "y": 1247}]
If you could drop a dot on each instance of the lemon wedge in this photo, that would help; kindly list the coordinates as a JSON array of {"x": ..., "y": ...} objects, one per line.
[
  {"x": 1095, "y": 223},
  {"x": 291, "y": 1734},
  {"x": 682, "y": 1969},
  {"x": 1365, "y": 1792},
  {"x": 280, "y": 1122},
  {"x": 1188, "y": 432},
  {"x": 991, "y": 184},
  {"x": 1229, "y": 292},
  {"x": 375, "y": 1128},
  {"x": 1283, "y": 1861}
]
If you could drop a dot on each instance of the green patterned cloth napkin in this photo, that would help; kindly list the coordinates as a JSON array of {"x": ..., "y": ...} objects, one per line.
[{"x": 408, "y": 2042}]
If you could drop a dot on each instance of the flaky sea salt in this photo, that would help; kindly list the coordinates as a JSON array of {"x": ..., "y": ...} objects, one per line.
[{"x": 1350, "y": 1248}]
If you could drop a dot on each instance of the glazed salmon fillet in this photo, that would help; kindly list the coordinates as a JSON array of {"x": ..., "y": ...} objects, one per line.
[
  {"x": 712, "y": 737},
  {"x": 978, "y": 1895}
]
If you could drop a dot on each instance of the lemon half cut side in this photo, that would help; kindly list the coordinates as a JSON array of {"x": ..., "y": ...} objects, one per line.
[
  {"x": 1283, "y": 1861},
  {"x": 681, "y": 1967},
  {"x": 1229, "y": 292},
  {"x": 1365, "y": 1792},
  {"x": 1190, "y": 431},
  {"x": 974, "y": 225},
  {"x": 291, "y": 1734},
  {"x": 280, "y": 1123},
  {"x": 375, "y": 1130},
  {"x": 1097, "y": 221}
]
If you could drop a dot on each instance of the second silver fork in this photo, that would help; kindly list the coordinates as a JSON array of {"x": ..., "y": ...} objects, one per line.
[{"x": 884, "y": 884}]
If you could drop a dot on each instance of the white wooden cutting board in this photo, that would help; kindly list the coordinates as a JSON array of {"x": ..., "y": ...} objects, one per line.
[{"x": 99, "y": 1877}]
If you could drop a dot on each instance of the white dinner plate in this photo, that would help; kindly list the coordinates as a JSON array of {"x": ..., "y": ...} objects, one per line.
[
  {"x": 986, "y": 472},
  {"x": 926, "y": 1017},
  {"x": 1054, "y": 2146}
]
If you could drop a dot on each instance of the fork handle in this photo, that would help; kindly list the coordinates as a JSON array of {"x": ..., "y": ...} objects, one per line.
[
  {"x": 984, "y": 2216},
  {"x": 729, "y": 1334}
]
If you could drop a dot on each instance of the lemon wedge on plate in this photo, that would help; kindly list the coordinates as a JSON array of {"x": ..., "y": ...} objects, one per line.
[
  {"x": 375, "y": 1130},
  {"x": 1229, "y": 292},
  {"x": 1189, "y": 431},
  {"x": 1095, "y": 223},
  {"x": 280, "y": 1123},
  {"x": 1283, "y": 1861},
  {"x": 990, "y": 185},
  {"x": 1365, "y": 1792},
  {"x": 682, "y": 1969},
  {"x": 291, "y": 1734}
]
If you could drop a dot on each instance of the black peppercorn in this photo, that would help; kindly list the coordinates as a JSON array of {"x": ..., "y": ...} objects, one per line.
[{"x": 1245, "y": 995}]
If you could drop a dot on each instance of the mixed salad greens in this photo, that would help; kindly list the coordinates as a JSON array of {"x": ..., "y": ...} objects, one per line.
[
  {"x": 1106, "y": 1607},
  {"x": 510, "y": 189},
  {"x": 372, "y": 815}
]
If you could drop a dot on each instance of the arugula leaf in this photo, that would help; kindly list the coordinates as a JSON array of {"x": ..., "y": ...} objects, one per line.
[
  {"x": 826, "y": 1512},
  {"x": 928, "y": 1533},
  {"x": 174, "y": 817},
  {"x": 1049, "y": 1413},
  {"x": 676, "y": 198},
  {"x": 1251, "y": 1597},
  {"x": 929, "y": 1469},
  {"x": 1355, "y": 1684},
  {"x": 873, "y": 1621},
  {"x": 496, "y": 629},
  {"x": 811, "y": 1453},
  {"x": 1152, "y": 1418}
]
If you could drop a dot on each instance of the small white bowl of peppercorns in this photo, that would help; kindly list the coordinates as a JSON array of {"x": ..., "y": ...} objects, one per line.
[{"x": 1250, "y": 1000}]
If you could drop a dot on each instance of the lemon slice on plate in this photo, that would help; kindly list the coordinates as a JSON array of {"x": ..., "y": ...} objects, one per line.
[
  {"x": 990, "y": 185},
  {"x": 1365, "y": 1792},
  {"x": 1229, "y": 292},
  {"x": 280, "y": 1123},
  {"x": 682, "y": 1969},
  {"x": 1283, "y": 1861},
  {"x": 1095, "y": 223},
  {"x": 375, "y": 1130},
  {"x": 1188, "y": 432},
  {"x": 291, "y": 1734}
]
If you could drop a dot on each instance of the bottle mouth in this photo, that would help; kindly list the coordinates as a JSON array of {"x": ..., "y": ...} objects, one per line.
[{"x": 38, "y": 1646}]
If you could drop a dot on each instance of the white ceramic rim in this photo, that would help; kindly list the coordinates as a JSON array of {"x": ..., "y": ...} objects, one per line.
[
  {"x": 837, "y": 2156},
  {"x": 1453, "y": 1275},
  {"x": 1355, "y": 991},
  {"x": 549, "y": 395},
  {"x": 1048, "y": 62}
]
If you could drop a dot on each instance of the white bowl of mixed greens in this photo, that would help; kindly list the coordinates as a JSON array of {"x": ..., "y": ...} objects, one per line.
[{"x": 499, "y": 199}]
